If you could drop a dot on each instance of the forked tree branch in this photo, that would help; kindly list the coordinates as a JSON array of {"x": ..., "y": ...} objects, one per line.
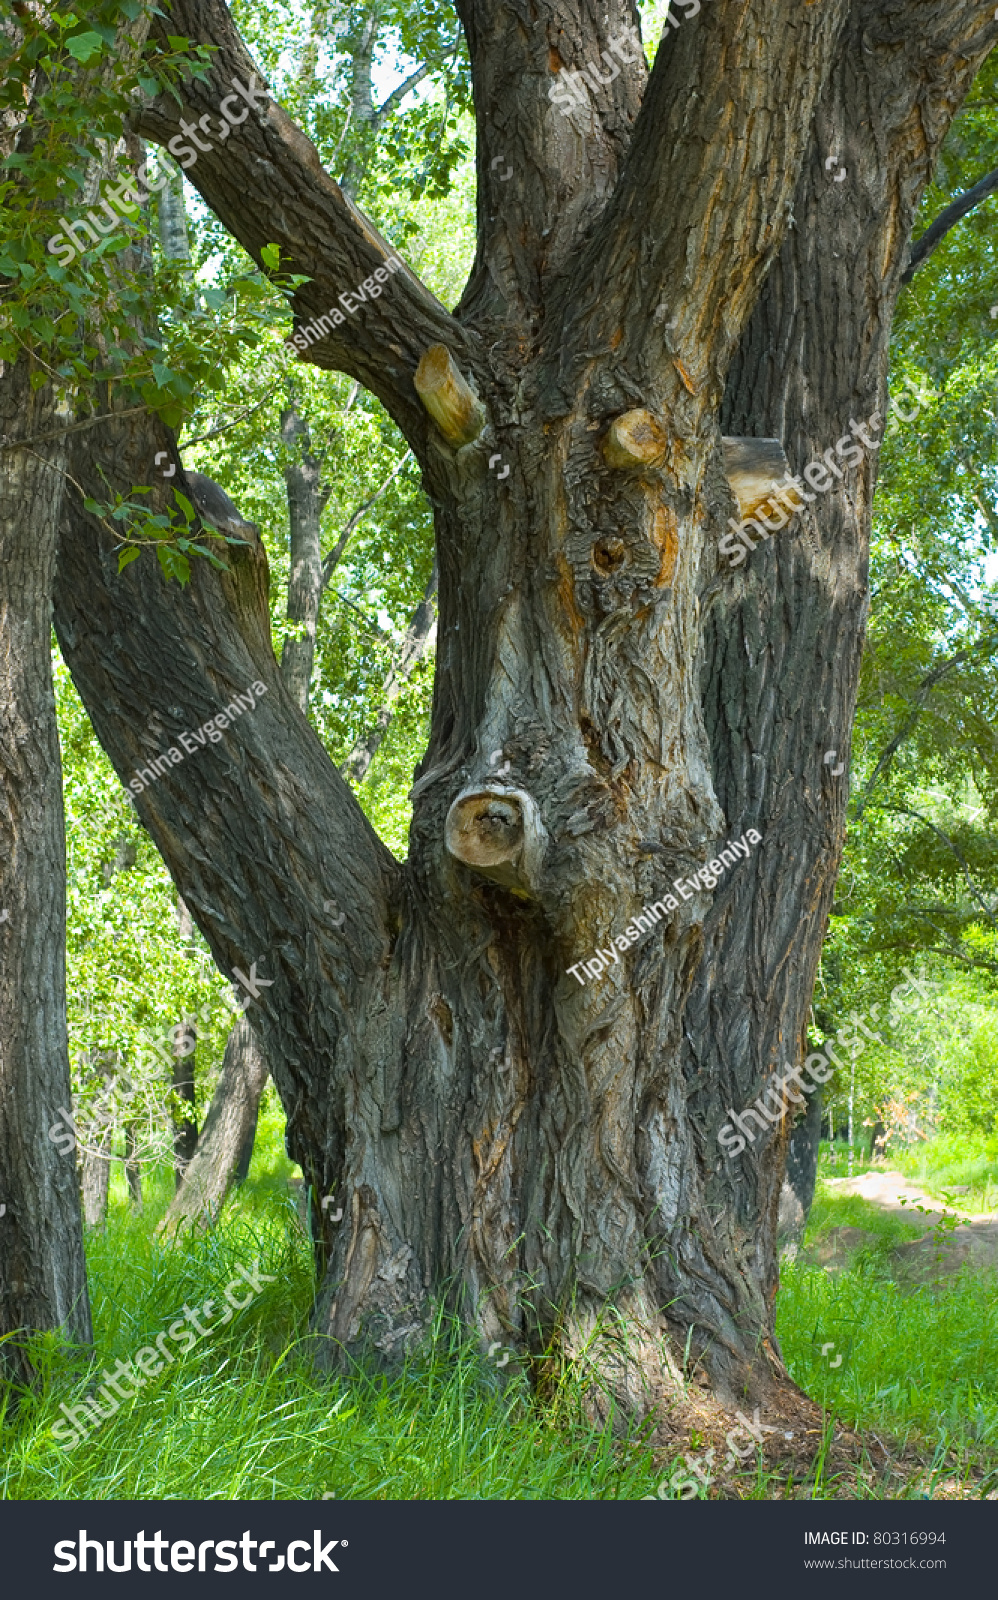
[
  {"x": 704, "y": 196},
  {"x": 264, "y": 181}
]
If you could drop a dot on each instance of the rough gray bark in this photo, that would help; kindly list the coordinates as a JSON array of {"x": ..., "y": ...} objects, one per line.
[
  {"x": 783, "y": 640},
  {"x": 609, "y": 704},
  {"x": 42, "y": 1270},
  {"x": 230, "y": 1123}
]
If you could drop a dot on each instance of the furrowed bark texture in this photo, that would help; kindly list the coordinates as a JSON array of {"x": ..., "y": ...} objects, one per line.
[
  {"x": 546, "y": 1146},
  {"x": 43, "y": 1281},
  {"x": 784, "y": 636}
]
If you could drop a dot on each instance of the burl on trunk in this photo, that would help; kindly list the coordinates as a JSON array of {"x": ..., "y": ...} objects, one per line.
[{"x": 612, "y": 703}]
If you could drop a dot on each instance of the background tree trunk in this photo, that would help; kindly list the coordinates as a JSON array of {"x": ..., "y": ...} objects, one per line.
[
  {"x": 133, "y": 1171},
  {"x": 797, "y": 1193},
  {"x": 228, "y": 1130},
  {"x": 184, "y": 1074},
  {"x": 418, "y": 639}
]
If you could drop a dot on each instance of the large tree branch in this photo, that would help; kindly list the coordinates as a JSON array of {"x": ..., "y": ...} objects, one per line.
[
  {"x": 257, "y": 827},
  {"x": 265, "y": 183},
  {"x": 705, "y": 195},
  {"x": 544, "y": 169},
  {"x": 947, "y": 219}
]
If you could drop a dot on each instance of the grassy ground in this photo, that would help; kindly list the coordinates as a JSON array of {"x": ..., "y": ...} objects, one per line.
[
  {"x": 921, "y": 1366},
  {"x": 242, "y": 1416}
]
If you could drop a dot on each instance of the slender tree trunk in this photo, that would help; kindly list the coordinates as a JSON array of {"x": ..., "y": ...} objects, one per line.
[
  {"x": 305, "y": 503},
  {"x": 42, "y": 1269},
  {"x": 797, "y": 1193},
  {"x": 229, "y": 1127},
  {"x": 96, "y": 1141},
  {"x": 172, "y": 214},
  {"x": 95, "y": 1174},
  {"x": 133, "y": 1171},
  {"x": 418, "y": 639},
  {"x": 184, "y": 1051}
]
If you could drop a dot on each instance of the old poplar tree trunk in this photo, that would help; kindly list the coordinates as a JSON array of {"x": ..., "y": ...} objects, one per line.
[
  {"x": 43, "y": 1280},
  {"x": 612, "y": 702}
]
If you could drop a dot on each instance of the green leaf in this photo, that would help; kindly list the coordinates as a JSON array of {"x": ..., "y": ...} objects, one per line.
[
  {"x": 127, "y": 556},
  {"x": 174, "y": 564},
  {"x": 84, "y": 46},
  {"x": 270, "y": 255}
]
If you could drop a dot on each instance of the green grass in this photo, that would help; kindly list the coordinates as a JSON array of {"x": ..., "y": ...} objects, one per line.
[
  {"x": 952, "y": 1161},
  {"x": 921, "y": 1366},
  {"x": 244, "y": 1415}
]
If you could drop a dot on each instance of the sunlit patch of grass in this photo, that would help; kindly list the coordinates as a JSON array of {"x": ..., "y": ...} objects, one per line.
[{"x": 922, "y": 1366}]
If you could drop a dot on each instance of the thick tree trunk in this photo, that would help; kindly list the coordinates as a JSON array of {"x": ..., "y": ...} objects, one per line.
[
  {"x": 783, "y": 640},
  {"x": 611, "y": 701},
  {"x": 42, "y": 1270},
  {"x": 229, "y": 1126}
]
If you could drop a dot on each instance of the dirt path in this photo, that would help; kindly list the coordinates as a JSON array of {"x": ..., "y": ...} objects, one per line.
[
  {"x": 918, "y": 1261},
  {"x": 887, "y": 1189}
]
